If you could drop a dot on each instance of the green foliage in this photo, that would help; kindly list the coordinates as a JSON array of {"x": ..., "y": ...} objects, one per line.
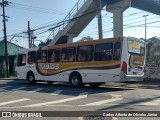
[{"x": 87, "y": 38}]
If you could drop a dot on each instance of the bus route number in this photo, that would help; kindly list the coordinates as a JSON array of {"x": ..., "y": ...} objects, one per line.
[{"x": 49, "y": 66}]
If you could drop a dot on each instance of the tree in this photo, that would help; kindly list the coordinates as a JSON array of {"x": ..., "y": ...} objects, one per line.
[{"x": 86, "y": 38}]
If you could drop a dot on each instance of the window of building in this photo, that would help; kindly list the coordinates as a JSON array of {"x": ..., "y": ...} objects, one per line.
[
  {"x": 31, "y": 57},
  {"x": 103, "y": 52},
  {"x": 21, "y": 60},
  {"x": 117, "y": 47},
  {"x": 42, "y": 56},
  {"x": 68, "y": 54},
  {"x": 85, "y": 53},
  {"x": 54, "y": 55}
]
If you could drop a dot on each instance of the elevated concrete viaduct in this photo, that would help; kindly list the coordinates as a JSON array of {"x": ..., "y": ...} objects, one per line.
[{"x": 85, "y": 11}]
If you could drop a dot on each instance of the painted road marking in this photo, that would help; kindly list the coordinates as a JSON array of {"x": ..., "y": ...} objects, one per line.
[
  {"x": 18, "y": 88},
  {"x": 13, "y": 101},
  {"x": 153, "y": 102},
  {"x": 56, "y": 92},
  {"x": 4, "y": 87},
  {"x": 82, "y": 95},
  {"x": 113, "y": 99},
  {"x": 36, "y": 90}
]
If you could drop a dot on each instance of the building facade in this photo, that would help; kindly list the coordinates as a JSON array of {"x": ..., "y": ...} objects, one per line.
[
  {"x": 152, "y": 67},
  {"x": 12, "y": 58}
]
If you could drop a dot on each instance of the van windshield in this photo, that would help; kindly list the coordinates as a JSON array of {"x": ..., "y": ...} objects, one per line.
[{"x": 136, "y": 46}]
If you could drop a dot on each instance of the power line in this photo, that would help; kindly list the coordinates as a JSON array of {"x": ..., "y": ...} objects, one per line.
[
  {"x": 35, "y": 8},
  {"x": 45, "y": 28},
  {"x": 49, "y": 26},
  {"x": 140, "y": 25},
  {"x": 143, "y": 20}
]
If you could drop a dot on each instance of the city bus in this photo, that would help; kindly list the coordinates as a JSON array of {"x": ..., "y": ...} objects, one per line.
[{"x": 93, "y": 62}]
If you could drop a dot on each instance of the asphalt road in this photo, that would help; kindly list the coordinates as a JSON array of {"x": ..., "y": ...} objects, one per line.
[{"x": 21, "y": 97}]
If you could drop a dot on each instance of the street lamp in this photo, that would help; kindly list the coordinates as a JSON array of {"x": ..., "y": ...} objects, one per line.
[{"x": 145, "y": 16}]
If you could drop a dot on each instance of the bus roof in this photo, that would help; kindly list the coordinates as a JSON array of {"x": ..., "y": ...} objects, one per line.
[
  {"x": 89, "y": 42},
  {"x": 83, "y": 43}
]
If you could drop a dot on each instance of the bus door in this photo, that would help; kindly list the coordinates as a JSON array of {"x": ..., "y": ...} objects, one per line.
[{"x": 32, "y": 65}]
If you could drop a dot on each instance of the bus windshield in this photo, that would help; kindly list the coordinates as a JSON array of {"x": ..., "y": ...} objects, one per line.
[{"x": 136, "y": 46}]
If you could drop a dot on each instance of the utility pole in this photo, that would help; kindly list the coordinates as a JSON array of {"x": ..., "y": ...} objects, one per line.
[
  {"x": 4, "y": 4},
  {"x": 33, "y": 37},
  {"x": 145, "y": 16},
  {"x": 100, "y": 31},
  {"x": 29, "y": 35}
]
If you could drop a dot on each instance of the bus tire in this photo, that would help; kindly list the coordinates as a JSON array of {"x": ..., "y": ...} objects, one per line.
[
  {"x": 31, "y": 78},
  {"x": 75, "y": 80}
]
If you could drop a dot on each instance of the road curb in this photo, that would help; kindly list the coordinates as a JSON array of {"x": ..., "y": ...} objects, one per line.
[
  {"x": 11, "y": 78},
  {"x": 133, "y": 85}
]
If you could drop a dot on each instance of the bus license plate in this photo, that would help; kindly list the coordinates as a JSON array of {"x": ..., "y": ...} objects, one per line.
[{"x": 135, "y": 73}]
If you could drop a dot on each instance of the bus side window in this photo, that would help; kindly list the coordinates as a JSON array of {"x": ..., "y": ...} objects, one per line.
[
  {"x": 68, "y": 54},
  {"x": 85, "y": 53},
  {"x": 21, "y": 60},
  {"x": 117, "y": 47},
  {"x": 103, "y": 52},
  {"x": 31, "y": 57},
  {"x": 54, "y": 55},
  {"x": 42, "y": 56}
]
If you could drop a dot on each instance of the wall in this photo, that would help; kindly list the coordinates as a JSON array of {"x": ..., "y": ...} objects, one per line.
[
  {"x": 152, "y": 71},
  {"x": 12, "y": 54}
]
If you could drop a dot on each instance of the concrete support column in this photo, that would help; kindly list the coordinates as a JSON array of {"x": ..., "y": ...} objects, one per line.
[
  {"x": 100, "y": 29},
  {"x": 117, "y": 9},
  {"x": 117, "y": 23},
  {"x": 70, "y": 37}
]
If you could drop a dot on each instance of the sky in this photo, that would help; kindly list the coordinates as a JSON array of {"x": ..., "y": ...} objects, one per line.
[{"x": 42, "y": 13}]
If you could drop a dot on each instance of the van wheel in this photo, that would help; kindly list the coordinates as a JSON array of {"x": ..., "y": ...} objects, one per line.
[
  {"x": 75, "y": 80},
  {"x": 31, "y": 78}
]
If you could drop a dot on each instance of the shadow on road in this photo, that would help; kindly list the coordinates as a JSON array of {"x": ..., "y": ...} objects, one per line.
[
  {"x": 46, "y": 88},
  {"x": 142, "y": 85},
  {"x": 134, "y": 102}
]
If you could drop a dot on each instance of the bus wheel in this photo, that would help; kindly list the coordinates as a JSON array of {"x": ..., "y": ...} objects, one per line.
[
  {"x": 75, "y": 80},
  {"x": 95, "y": 84},
  {"x": 31, "y": 78},
  {"x": 50, "y": 82}
]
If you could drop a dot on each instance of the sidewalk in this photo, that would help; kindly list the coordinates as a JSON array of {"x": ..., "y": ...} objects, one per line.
[
  {"x": 10, "y": 78},
  {"x": 143, "y": 84}
]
